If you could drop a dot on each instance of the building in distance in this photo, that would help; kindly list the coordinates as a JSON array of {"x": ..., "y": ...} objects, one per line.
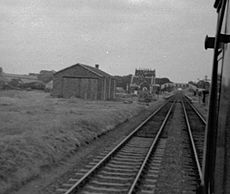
[
  {"x": 143, "y": 79},
  {"x": 84, "y": 81}
]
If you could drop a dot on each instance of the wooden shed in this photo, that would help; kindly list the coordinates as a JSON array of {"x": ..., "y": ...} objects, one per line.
[{"x": 85, "y": 82}]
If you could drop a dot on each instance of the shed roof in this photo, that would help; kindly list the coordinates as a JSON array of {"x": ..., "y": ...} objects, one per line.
[{"x": 94, "y": 70}]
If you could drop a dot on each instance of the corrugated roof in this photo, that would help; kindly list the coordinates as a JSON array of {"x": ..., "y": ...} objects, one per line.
[
  {"x": 96, "y": 70},
  {"x": 89, "y": 68}
]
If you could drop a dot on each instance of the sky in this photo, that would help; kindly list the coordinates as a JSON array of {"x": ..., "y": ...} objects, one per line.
[{"x": 119, "y": 35}]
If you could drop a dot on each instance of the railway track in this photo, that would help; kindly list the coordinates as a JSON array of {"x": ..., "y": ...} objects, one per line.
[
  {"x": 181, "y": 166},
  {"x": 196, "y": 125},
  {"x": 193, "y": 144},
  {"x": 134, "y": 165},
  {"x": 131, "y": 166}
]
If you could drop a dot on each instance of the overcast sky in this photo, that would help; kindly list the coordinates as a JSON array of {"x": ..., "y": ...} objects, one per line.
[{"x": 119, "y": 35}]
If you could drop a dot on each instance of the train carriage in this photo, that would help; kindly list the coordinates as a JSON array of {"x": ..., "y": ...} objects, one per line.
[{"x": 216, "y": 163}]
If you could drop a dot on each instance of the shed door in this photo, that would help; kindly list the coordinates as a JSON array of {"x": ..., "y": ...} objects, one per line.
[
  {"x": 93, "y": 89},
  {"x": 85, "y": 88},
  {"x": 71, "y": 87}
]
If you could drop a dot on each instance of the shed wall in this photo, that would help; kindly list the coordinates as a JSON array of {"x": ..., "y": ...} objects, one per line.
[{"x": 86, "y": 88}]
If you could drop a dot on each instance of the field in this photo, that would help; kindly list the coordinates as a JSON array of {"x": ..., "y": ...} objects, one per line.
[{"x": 37, "y": 131}]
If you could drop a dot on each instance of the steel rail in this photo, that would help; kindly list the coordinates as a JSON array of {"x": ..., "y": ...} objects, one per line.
[
  {"x": 81, "y": 181},
  {"x": 193, "y": 144},
  {"x": 202, "y": 118},
  {"x": 186, "y": 96},
  {"x": 147, "y": 157}
]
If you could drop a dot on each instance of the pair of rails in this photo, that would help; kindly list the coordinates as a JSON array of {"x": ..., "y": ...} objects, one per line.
[{"x": 134, "y": 154}]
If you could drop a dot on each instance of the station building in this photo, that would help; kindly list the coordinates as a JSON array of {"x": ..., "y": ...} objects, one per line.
[
  {"x": 84, "y": 81},
  {"x": 143, "y": 78}
]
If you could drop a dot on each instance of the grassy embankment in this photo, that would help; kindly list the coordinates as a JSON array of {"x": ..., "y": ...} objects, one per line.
[{"x": 37, "y": 131}]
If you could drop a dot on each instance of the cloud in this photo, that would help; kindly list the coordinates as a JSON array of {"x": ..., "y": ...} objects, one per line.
[{"x": 129, "y": 33}]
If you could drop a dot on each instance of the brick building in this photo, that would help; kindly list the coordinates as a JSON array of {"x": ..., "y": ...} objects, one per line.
[
  {"x": 143, "y": 78},
  {"x": 85, "y": 82}
]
